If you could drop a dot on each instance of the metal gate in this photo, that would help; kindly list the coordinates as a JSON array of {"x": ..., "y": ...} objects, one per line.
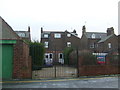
[
  {"x": 52, "y": 69},
  {"x": 55, "y": 71}
]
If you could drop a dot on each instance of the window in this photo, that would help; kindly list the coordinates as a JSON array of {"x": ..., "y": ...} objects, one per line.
[
  {"x": 60, "y": 56},
  {"x": 45, "y": 35},
  {"x": 57, "y": 35},
  {"x": 93, "y": 35},
  {"x": 46, "y": 44},
  {"x": 68, "y": 35},
  {"x": 21, "y": 34},
  {"x": 68, "y": 44},
  {"x": 109, "y": 45},
  {"x": 51, "y": 55}
]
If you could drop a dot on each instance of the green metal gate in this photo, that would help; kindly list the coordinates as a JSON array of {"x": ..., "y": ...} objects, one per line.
[{"x": 7, "y": 61}]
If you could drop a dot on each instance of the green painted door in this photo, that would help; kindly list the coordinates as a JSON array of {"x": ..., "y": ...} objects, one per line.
[{"x": 7, "y": 61}]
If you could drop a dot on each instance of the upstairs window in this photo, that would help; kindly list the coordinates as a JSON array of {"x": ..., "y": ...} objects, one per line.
[
  {"x": 21, "y": 34},
  {"x": 68, "y": 44},
  {"x": 68, "y": 35},
  {"x": 46, "y": 44},
  {"x": 45, "y": 35},
  {"x": 93, "y": 36},
  {"x": 109, "y": 45},
  {"x": 57, "y": 35}
]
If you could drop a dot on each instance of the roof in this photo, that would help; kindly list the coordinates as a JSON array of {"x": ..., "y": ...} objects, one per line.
[
  {"x": 7, "y": 31},
  {"x": 106, "y": 38},
  {"x": 48, "y": 32},
  {"x": 24, "y": 34},
  {"x": 74, "y": 34},
  {"x": 97, "y": 35}
]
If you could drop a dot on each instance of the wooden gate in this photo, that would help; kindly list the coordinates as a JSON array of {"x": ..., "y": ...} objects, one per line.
[{"x": 7, "y": 61}]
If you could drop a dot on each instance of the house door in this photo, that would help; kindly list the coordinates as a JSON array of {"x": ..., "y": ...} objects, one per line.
[
  {"x": 49, "y": 59},
  {"x": 7, "y": 61},
  {"x": 61, "y": 59}
]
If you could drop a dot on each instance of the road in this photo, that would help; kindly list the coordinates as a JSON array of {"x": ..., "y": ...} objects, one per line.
[{"x": 99, "y": 82}]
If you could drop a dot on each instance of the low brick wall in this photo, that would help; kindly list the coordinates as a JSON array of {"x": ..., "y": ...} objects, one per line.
[
  {"x": 93, "y": 70},
  {"x": 22, "y": 61}
]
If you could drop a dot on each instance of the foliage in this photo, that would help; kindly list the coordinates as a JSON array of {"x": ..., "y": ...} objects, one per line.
[
  {"x": 66, "y": 53},
  {"x": 73, "y": 58},
  {"x": 88, "y": 58},
  {"x": 37, "y": 53}
]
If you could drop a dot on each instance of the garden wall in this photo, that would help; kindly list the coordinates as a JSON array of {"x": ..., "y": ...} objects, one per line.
[
  {"x": 22, "y": 61},
  {"x": 93, "y": 70}
]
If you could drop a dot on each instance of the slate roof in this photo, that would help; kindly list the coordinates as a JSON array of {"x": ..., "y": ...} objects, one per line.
[
  {"x": 48, "y": 32},
  {"x": 98, "y": 35},
  {"x": 106, "y": 38}
]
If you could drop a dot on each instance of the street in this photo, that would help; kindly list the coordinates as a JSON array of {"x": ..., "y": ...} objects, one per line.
[{"x": 99, "y": 82}]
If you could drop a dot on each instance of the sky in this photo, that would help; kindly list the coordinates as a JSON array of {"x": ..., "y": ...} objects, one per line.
[{"x": 60, "y": 15}]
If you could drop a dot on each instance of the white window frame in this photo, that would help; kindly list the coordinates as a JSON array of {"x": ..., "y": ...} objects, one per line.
[
  {"x": 68, "y": 35},
  {"x": 45, "y": 35},
  {"x": 57, "y": 35},
  {"x": 21, "y": 34},
  {"x": 109, "y": 45},
  {"x": 46, "y": 44},
  {"x": 93, "y": 36},
  {"x": 68, "y": 44},
  {"x": 60, "y": 54},
  {"x": 51, "y": 54}
]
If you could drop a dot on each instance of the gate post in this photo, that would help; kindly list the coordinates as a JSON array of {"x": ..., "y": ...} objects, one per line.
[
  {"x": 55, "y": 63},
  {"x": 77, "y": 62}
]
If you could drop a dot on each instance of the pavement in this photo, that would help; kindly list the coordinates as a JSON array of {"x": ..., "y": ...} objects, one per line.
[{"x": 111, "y": 82}]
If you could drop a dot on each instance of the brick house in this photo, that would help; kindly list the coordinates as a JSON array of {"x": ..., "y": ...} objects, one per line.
[
  {"x": 56, "y": 41},
  {"x": 25, "y": 35},
  {"x": 16, "y": 62},
  {"x": 109, "y": 44},
  {"x": 98, "y": 42}
]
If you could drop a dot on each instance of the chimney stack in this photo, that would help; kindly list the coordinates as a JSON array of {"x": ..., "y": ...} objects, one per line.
[
  {"x": 41, "y": 29},
  {"x": 110, "y": 31},
  {"x": 83, "y": 29},
  {"x": 28, "y": 28}
]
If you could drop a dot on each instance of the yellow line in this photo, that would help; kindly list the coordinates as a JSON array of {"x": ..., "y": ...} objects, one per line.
[{"x": 52, "y": 80}]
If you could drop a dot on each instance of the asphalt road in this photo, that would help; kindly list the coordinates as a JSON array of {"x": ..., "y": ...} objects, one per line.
[{"x": 101, "y": 82}]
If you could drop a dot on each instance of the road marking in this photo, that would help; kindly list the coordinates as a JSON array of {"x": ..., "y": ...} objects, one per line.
[{"x": 53, "y": 80}]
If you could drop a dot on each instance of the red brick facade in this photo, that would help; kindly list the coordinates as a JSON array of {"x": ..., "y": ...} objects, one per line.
[
  {"x": 98, "y": 70},
  {"x": 22, "y": 61},
  {"x": 93, "y": 70}
]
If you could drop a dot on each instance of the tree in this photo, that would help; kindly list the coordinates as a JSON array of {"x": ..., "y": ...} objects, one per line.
[{"x": 37, "y": 53}]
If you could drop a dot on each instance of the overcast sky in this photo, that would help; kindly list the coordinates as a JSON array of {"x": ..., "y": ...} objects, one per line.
[{"x": 60, "y": 15}]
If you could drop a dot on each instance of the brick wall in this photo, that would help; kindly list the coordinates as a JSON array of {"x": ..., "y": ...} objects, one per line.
[
  {"x": 93, "y": 70},
  {"x": 22, "y": 61},
  {"x": 98, "y": 70}
]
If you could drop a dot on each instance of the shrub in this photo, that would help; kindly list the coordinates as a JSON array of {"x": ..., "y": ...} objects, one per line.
[
  {"x": 37, "y": 53},
  {"x": 66, "y": 54},
  {"x": 73, "y": 58}
]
